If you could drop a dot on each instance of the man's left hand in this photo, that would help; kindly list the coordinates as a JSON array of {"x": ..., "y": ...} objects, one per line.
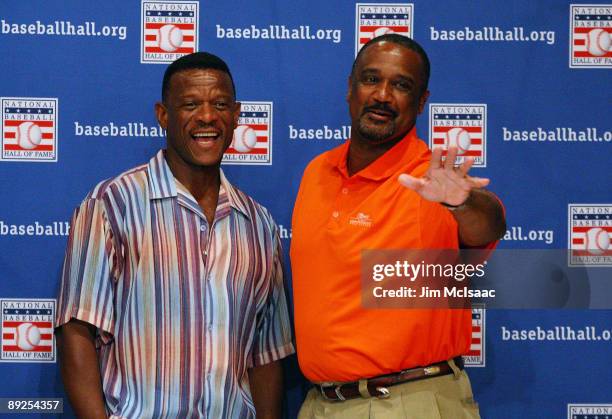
[{"x": 444, "y": 182}]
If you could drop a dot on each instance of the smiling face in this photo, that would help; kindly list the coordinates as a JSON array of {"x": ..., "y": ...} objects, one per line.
[
  {"x": 386, "y": 93},
  {"x": 200, "y": 114}
]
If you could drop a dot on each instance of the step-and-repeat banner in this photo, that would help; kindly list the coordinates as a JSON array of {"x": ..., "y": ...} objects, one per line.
[{"x": 523, "y": 86}]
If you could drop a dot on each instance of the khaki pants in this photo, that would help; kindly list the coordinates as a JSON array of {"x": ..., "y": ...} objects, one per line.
[{"x": 446, "y": 397}]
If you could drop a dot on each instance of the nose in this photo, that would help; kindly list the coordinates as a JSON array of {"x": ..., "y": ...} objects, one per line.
[
  {"x": 206, "y": 113},
  {"x": 382, "y": 93}
]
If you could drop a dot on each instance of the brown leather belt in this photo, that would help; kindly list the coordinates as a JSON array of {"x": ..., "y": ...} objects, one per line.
[{"x": 377, "y": 386}]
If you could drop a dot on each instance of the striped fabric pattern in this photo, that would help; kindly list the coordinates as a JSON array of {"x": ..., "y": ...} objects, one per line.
[{"x": 182, "y": 309}]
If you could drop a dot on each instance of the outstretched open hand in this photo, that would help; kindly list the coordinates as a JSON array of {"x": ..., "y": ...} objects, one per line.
[{"x": 444, "y": 182}]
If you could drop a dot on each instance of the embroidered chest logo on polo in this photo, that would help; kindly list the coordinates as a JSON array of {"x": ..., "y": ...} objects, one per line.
[{"x": 361, "y": 220}]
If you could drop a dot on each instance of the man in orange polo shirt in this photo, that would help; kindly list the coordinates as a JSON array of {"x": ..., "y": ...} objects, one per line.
[{"x": 384, "y": 189}]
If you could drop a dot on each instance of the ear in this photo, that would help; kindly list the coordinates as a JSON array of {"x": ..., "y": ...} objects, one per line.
[
  {"x": 236, "y": 114},
  {"x": 423, "y": 100},
  {"x": 162, "y": 115},
  {"x": 350, "y": 85}
]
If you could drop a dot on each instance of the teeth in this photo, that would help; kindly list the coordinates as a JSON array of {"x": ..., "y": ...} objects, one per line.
[{"x": 205, "y": 134}]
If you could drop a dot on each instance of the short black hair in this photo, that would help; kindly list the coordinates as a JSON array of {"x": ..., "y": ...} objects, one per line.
[
  {"x": 197, "y": 60},
  {"x": 405, "y": 42}
]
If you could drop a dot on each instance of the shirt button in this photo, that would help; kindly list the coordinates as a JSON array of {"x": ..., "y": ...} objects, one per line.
[
  {"x": 210, "y": 327},
  {"x": 202, "y": 228},
  {"x": 344, "y": 191},
  {"x": 205, "y": 252},
  {"x": 335, "y": 214}
]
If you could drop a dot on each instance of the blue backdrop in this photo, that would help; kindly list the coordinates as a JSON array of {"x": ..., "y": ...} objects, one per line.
[{"x": 525, "y": 86}]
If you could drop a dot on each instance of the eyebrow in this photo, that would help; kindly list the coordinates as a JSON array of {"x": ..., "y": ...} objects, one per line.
[
  {"x": 369, "y": 70},
  {"x": 189, "y": 95}
]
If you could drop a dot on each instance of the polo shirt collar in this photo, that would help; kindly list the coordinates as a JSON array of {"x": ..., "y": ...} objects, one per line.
[
  {"x": 382, "y": 168},
  {"x": 162, "y": 184}
]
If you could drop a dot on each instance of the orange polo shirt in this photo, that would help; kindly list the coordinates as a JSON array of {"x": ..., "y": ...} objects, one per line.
[{"x": 335, "y": 217}]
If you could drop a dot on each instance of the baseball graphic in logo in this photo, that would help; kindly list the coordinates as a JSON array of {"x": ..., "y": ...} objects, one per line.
[
  {"x": 598, "y": 42},
  {"x": 170, "y": 38},
  {"x": 244, "y": 139},
  {"x": 460, "y": 138},
  {"x": 381, "y": 31},
  {"x": 27, "y": 336},
  {"x": 29, "y": 135},
  {"x": 597, "y": 241}
]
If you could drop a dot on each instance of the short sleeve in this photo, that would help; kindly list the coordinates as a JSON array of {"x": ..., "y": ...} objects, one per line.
[
  {"x": 273, "y": 336},
  {"x": 87, "y": 285}
]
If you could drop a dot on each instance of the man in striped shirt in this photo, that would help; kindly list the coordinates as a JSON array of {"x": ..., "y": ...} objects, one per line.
[{"x": 172, "y": 300}]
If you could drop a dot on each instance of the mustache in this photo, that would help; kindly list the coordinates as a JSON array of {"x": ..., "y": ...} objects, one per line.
[{"x": 383, "y": 107}]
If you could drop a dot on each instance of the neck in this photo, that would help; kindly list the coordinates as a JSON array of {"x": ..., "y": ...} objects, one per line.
[
  {"x": 362, "y": 152},
  {"x": 202, "y": 182}
]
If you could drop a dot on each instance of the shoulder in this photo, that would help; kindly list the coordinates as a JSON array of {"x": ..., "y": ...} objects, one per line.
[
  {"x": 416, "y": 158},
  {"x": 257, "y": 213},
  {"x": 322, "y": 163},
  {"x": 119, "y": 191}
]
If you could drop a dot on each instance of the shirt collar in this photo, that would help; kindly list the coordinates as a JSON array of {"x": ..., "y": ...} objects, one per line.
[
  {"x": 383, "y": 167},
  {"x": 162, "y": 184}
]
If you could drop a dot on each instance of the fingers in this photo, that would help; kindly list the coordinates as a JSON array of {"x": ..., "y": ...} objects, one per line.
[
  {"x": 465, "y": 167},
  {"x": 451, "y": 155},
  {"x": 477, "y": 182},
  {"x": 411, "y": 182},
  {"x": 436, "y": 158}
]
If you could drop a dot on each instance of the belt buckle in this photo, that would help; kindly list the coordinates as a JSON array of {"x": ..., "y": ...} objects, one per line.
[
  {"x": 336, "y": 390},
  {"x": 384, "y": 393},
  {"x": 433, "y": 370}
]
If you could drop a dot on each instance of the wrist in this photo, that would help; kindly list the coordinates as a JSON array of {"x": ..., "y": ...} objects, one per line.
[
  {"x": 459, "y": 207},
  {"x": 453, "y": 207}
]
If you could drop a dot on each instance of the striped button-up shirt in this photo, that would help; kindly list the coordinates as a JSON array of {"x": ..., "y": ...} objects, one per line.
[{"x": 182, "y": 308}]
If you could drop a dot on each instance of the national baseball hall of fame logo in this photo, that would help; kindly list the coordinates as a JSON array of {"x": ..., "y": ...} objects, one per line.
[
  {"x": 169, "y": 30},
  {"x": 29, "y": 129},
  {"x": 590, "y": 234},
  {"x": 476, "y": 356},
  {"x": 460, "y": 125},
  {"x": 590, "y": 36},
  {"x": 27, "y": 330},
  {"x": 377, "y": 19},
  {"x": 252, "y": 143},
  {"x": 589, "y": 411}
]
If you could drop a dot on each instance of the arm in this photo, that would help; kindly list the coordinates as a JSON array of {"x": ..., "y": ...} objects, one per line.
[
  {"x": 480, "y": 219},
  {"x": 80, "y": 369},
  {"x": 478, "y": 213},
  {"x": 272, "y": 340},
  {"x": 266, "y": 383}
]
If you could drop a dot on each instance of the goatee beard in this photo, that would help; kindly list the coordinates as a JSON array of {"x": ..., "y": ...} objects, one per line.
[{"x": 375, "y": 133}]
